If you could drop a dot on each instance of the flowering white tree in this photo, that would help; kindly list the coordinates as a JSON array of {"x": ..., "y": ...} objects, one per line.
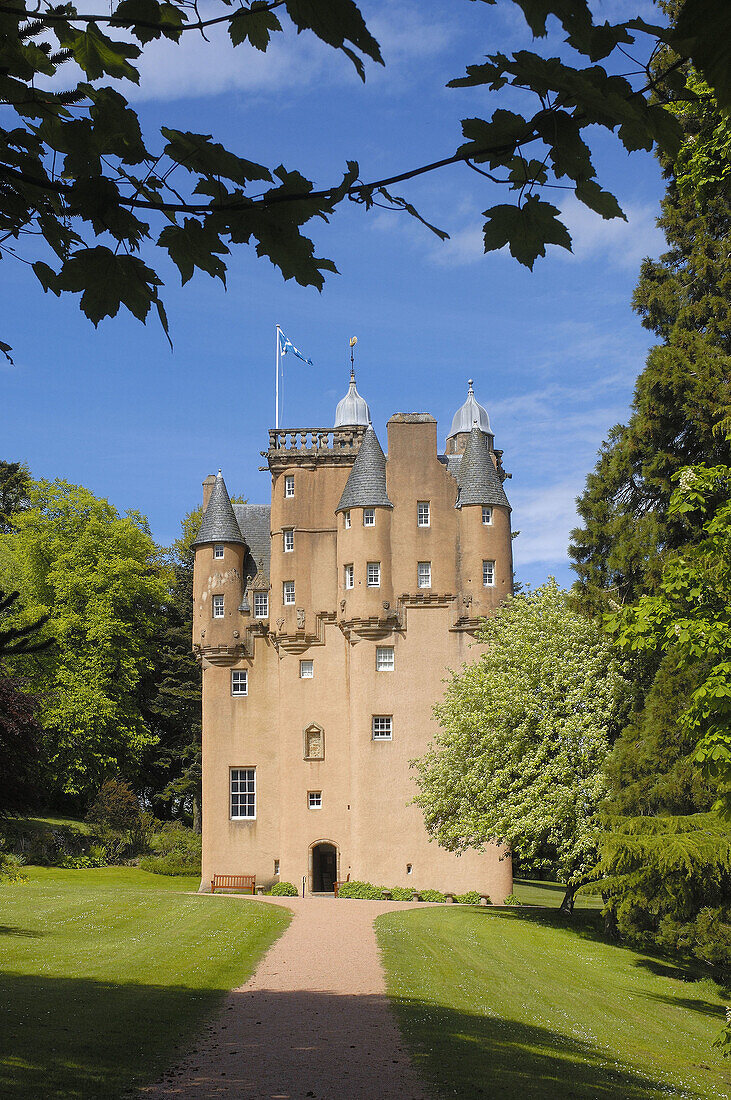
[{"x": 525, "y": 731}]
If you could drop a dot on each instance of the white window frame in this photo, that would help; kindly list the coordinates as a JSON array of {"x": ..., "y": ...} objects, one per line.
[
  {"x": 346, "y": 518},
  {"x": 288, "y": 539},
  {"x": 288, "y": 596},
  {"x": 373, "y": 570},
  {"x": 486, "y": 515},
  {"x": 234, "y": 776},
  {"x": 369, "y": 517},
  {"x": 385, "y": 658},
  {"x": 488, "y": 574},
  {"x": 218, "y": 550},
  {"x": 276, "y": 866},
  {"x": 382, "y": 727},
  {"x": 258, "y": 598},
  {"x": 305, "y": 672},
  {"x": 239, "y": 678},
  {"x": 218, "y": 609},
  {"x": 289, "y": 485},
  {"x": 423, "y": 513},
  {"x": 314, "y": 800},
  {"x": 349, "y": 576},
  {"x": 423, "y": 574}
]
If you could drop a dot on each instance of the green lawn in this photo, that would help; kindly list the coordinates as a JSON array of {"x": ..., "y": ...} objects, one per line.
[
  {"x": 533, "y": 892},
  {"x": 519, "y": 1003},
  {"x": 105, "y": 974}
]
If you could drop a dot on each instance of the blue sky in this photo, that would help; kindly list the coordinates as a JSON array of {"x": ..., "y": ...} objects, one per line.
[{"x": 554, "y": 353}]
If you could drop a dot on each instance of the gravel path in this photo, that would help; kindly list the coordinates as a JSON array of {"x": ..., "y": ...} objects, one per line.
[{"x": 312, "y": 1022}]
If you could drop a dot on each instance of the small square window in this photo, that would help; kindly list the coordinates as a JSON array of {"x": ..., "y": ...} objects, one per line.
[
  {"x": 261, "y": 605},
  {"x": 346, "y": 518},
  {"x": 374, "y": 574},
  {"x": 314, "y": 800},
  {"x": 218, "y": 550},
  {"x": 384, "y": 658},
  {"x": 422, "y": 514},
  {"x": 349, "y": 576},
  {"x": 369, "y": 517},
  {"x": 424, "y": 574},
  {"x": 217, "y": 605},
  {"x": 288, "y": 539},
  {"x": 307, "y": 670},
  {"x": 243, "y": 792},
  {"x": 239, "y": 681},
  {"x": 486, "y": 515},
  {"x": 289, "y": 485},
  {"x": 488, "y": 574},
  {"x": 288, "y": 592},
  {"x": 382, "y": 727}
]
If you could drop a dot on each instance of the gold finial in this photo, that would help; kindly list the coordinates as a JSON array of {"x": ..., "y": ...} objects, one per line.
[{"x": 353, "y": 342}]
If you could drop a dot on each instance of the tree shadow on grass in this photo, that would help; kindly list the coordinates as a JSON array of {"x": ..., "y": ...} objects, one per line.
[
  {"x": 13, "y": 930},
  {"x": 706, "y": 1008}
]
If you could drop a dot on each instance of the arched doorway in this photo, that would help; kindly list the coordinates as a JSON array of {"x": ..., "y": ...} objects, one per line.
[{"x": 324, "y": 871}]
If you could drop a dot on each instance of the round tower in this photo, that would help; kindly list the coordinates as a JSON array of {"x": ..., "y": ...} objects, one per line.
[{"x": 220, "y": 549}]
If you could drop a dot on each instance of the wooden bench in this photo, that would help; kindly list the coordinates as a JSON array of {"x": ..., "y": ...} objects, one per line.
[
  {"x": 233, "y": 882},
  {"x": 337, "y": 885}
]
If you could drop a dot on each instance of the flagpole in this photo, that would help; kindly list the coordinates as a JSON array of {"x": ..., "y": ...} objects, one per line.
[{"x": 276, "y": 385}]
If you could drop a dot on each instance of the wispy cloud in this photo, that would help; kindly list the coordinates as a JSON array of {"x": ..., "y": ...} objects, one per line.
[
  {"x": 622, "y": 244},
  {"x": 545, "y": 518}
]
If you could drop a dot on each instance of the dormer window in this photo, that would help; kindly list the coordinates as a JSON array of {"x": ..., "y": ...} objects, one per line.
[
  {"x": 261, "y": 605},
  {"x": 218, "y": 550},
  {"x": 369, "y": 517},
  {"x": 289, "y": 485},
  {"x": 486, "y": 515}
]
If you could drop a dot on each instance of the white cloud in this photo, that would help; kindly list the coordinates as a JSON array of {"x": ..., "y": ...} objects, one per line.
[
  {"x": 545, "y": 517},
  {"x": 622, "y": 244}
]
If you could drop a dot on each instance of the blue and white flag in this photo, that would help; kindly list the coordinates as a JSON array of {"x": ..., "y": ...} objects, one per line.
[{"x": 285, "y": 345}]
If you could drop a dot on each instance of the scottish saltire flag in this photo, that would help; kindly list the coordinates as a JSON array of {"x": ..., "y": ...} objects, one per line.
[{"x": 285, "y": 345}]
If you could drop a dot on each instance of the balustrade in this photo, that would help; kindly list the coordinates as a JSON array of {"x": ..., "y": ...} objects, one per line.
[{"x": 314, "y": 440}]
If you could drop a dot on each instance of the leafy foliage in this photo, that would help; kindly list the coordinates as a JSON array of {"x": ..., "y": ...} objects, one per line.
[
  {"x": 115, "y": 806},
  {"x": 77, "y": 172},
  {"x": 20, "y": 738},
  {"x": 362, "y": 890},
  {"x": 431, "y": 895},
  {"x": 284, "y": 890},
  {"x": 177, "y": 851},
  {"x": 14, "y": 484},
  {"x": 525, "y": 732}
]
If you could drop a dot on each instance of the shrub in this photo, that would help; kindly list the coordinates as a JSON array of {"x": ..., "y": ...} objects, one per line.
[
  {"x": 172, "y": 864},
  {"x": 11, "y": 869},
  {"x": 176, "y": 851},
  {"x": 512, "y": 899},
  {"x": 431, "y": 895},
  {"x": 470, "y": 898},
  {"x": 115, "y": 806},
  {"x": 284, "y": 890},
  {"x": 365, "y": 891},
  {"x": 403, "y": 893},
  {"x": 97, "y": 857}
]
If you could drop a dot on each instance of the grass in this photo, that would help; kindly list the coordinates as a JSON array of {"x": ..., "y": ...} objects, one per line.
[
  {"x": 106, "y": 974},
  {"x": 535, "y": 892},
  {"x": 522, "y": 1003}
]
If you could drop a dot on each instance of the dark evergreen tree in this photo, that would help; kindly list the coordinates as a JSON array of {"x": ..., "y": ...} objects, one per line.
[
  {"x": 14, "y": 485},
  {"x": 20, "y": 738}
]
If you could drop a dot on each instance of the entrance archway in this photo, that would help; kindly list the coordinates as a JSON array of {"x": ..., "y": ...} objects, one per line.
[{"x": 324, "y": 868}]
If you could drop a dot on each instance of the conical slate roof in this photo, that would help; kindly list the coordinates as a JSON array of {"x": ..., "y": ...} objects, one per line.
[
  {"x": 219, "y": 522},
  {"x": 477, "y": 477},
  {"x": 366, "y": 486},
  {"x": 352, "y": 410},
  {"x": 470, "y": 413}
]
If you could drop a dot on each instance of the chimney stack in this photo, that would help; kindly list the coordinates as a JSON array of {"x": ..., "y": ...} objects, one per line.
[{"x": 208, "y": 484}]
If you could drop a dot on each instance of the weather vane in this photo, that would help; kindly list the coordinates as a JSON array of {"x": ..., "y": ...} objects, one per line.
[{"x": 353, "y": 342}]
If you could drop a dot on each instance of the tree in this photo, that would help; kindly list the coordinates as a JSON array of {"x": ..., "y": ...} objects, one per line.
[
  {"x": 14, "y": 482},
  {"x": 99, "y": 579},
  {"x": 76, "y": 171},
  {"x": 525, "y": 732}
]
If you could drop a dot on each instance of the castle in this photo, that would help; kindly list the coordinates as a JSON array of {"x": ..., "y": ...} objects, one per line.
[{"x": 326, "y": 624}]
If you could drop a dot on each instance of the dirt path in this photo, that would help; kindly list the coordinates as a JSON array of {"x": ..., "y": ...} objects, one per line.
[{"x": 312, "y": 1022}]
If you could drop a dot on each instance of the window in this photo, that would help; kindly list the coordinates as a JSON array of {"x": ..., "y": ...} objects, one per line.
[
  {"x": 486, "y": 515},
  {"x": 424, "y": 574},
  {"x": 288, "y": 539},
  {"x": 218, "y": 607},
  {"x": 374, "y": 574},
  {"x": 409, "y": 868},
  {"x": 369, "y": 517},
  {"x": 243, "y": 793},
  {"x": 422, "y": 513},
  {"x": 288, "y": 592},
  {"x": 239, "y": 681},
  {"x": 314, "y": 800},
  {"x": 276, "y": 866},
  {"x": 289, "y": 485},
  {"x": 384, "y": 658},
  {"x": 382, "y": 727},
  {"x": 346, "y": 517},
  {"x": 488, "y": 574},
  {"x": 261, "y": 605},
  {"x": 307, "y": 670},
  {"x": 314, "y": 742},
  {"x": 349, "y": 576},
  {"x": 218, "y": 550}
]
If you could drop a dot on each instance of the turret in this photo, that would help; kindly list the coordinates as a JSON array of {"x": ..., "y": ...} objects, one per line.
[
  {"x": 485, "y": 557},
  {"x": 463, "y": 421},
  {"x": 220, "y": 552}
]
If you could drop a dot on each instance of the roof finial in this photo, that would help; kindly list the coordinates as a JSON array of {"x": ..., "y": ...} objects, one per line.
[
  {"x": 353, "y": 342},
  {"x": 219, "y": 472},
  {"x": 469, "y": 383}
]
